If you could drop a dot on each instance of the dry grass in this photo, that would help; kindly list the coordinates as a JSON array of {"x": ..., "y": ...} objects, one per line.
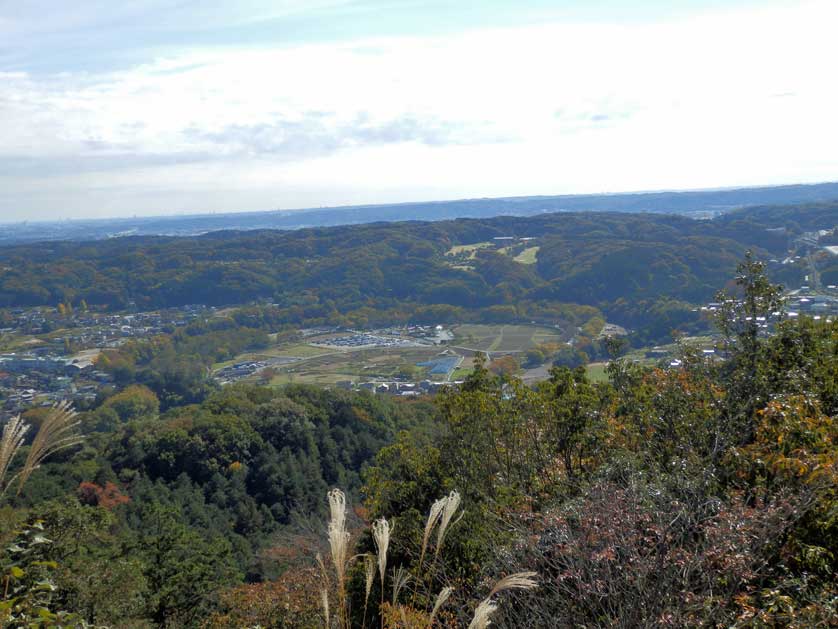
[
  {"x": 339, "y": 546},
  {"x": 400, "y": 579},
  {"x": 517, "y": 581},
  {"x": 381, "y": 536},
  {"x": 324, "y": 599},
  {"x": 442, "y": 515},
  {"x": 441, "y": 598},
  {"x": 433, "y": 518},
  {"x": 58, "y": 431},
  {"x": 338, "y": 535},
  {"x": 369, "y": 576},
  {"x": 484, "y": 610},
  {"x": 452, "y": 503},
  {"x": 13, "y": 434}
]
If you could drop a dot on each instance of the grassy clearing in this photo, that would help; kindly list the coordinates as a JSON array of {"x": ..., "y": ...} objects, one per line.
[
  {"x": 13, "y": 342},
  {"x": 503, "y": 338},
  {"x": 461, "y": 372},
  {"x": 309, "y": 377},
  {"x": 299, "y": 350},
  {"x": 359, "y": 365},
  {"x": 597, "y": 373},
  {"x": 471, "y": 250},
  {"x": 527, "y": 256}
]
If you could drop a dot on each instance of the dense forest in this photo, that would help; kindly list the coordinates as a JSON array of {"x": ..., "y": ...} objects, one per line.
[
  {"x": 702, "y": 495},
  {"x": 641, "y": 270}
]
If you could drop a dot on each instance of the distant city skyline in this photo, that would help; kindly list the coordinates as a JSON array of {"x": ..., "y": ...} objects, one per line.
[{"x": 212, "y": 106}]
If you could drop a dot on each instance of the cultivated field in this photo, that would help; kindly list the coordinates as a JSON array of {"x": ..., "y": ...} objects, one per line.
[
  {"x": 309, "y": 364},
  {"x": 358, "y": 365},
  {"x": 503, "y": 338}
]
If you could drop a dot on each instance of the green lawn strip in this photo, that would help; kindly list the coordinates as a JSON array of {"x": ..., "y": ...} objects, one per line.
[
  {"x": 527, "y": 256},
  {"x": 470, "y": 249},
  {"x": 461, "y": 372},
  {"x": 597, "y": 372}
]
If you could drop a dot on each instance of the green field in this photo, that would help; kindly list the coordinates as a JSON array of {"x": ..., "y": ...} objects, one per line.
[
  {"x": 527, "y": 256},
  {"x": 299, "y": 350},
  {"x": 471, "y": 250},
  {"x": 597, "y": 373},
  {"x": 461, "y": 372},
  {"x": 356, "y": 365},
  {"x": 503, "y": 338}
]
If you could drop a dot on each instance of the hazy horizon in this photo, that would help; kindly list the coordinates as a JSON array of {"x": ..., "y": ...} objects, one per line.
[
  {"x": 198, "y": 213},
  {"x": 109, "y": 111}
]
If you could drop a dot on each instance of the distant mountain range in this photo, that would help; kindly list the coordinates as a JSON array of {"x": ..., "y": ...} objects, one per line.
[{"x": 694, "y": 203}]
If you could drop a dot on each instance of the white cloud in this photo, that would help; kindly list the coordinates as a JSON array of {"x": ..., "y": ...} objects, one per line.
[{"x": 732, "y": 97}]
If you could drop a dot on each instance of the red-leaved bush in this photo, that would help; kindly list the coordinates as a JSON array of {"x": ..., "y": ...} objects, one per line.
[
  {"x": 95, "y": 495},
  {"x": 637, "y": 556}
]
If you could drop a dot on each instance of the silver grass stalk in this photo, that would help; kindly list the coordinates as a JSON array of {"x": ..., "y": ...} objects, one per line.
[
  {"x": 433, "y": 517},
  {"x": 13, "y": 434},
  {"x": 337, "y": 507},
  {"x": 400, "y": 579},
  {"x": 452, "y": 503},
  {"x": 481, "y": 615},
  {"x": 56, "y": 433},
  {"x": 381, "y": 536},
  {"x": 369, "y": 575},
  {"x": 338, "y": 535},
  {"x": 324, "y": 599},
  {"x": 517, "y": 581},
  {"x": 321, "y": 564},
  {"x": 443, "y": 595},
  {"x": 339, "y": 546}
]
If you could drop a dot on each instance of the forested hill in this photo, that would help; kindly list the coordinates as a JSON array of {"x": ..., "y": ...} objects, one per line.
[
  {"x": 516, "y": 268},
  {"x": 692, "y": 202}
]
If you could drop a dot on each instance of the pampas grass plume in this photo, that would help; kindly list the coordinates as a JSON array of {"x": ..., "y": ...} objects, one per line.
[
  {"x": 433, "y": 517},
  {"x": 440, "y": 601},
  {"x": 338, "y": 535},
  {"x": 381, "y": 536},
  {"x": 369, "y": 575},
  {"x": 517, "y": 581},
  {"x": 482, "y": 613},
  {"x": 324, "y": 599},
  {"x": 56, "y": 433},
  {"x": 452, "y": 503},
  {"x": 13, "y": 434}
]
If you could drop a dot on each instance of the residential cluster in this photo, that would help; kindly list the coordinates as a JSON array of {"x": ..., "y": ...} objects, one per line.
[
  {"x": 49, "y": 354},
  {"x": 363, "y": 339}
]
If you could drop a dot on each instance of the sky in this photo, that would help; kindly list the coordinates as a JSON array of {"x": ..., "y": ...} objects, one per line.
[{"x": 156, "y": 107}]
